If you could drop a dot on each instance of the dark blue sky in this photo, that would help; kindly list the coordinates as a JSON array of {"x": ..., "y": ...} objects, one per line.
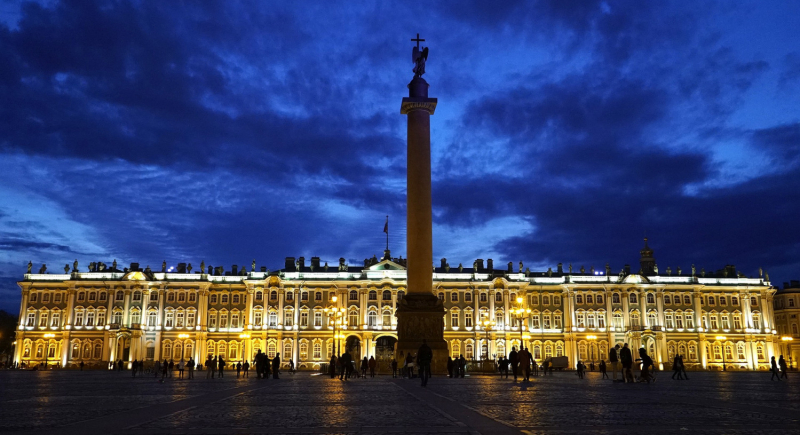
[{"x": 565, "y": 131}]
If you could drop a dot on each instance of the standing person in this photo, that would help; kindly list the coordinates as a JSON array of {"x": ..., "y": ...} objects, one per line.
[
  {"x": 246, "y": 367},
  {"x": 364, "y": 367},
  {"x": 332, "y": 367},
  {"x": 782, "y": 365},
  {"x": 157, "y": 368},
  {"x": 535, "y": 367},
  {"x": 626, "y": 357},
  {"x": 165, "y": 369},
  {"x": 372, "y": 363},
  {"x": 394, "y": 367},
  {"x": 676, "y": 367},
  {"x": 504, "y": 366},
  {"x": 683, "y": 368},
  {"x": 190, "y": 366},
  {"x": 291, "y": 366},
  {"x": 613, "y": 359},
  {"x": 171, "y": 367},
  {"x": 259, "y": 363},
  {"x": 774, "y": 370},
  {"x": 450, "y": 367},
  {"x": 276, "y": 366},
  {"x": 210, "y": 368},
  {"x": 424, "y": 357},
  {"x": 238, "y": 369},
  {"x": 410, "y": 365},
  {"x": 181, "y": 365},
  {"x": 513, "y": 357},
  {"x": 462, "y": 365},
  {"x": 525, "y": 364},
  {"x": 221, "y": 365},
  {"x": 579, "y": 369},
  {"x": 344, "y": 363},
  {"x": 603, "y": 369}
]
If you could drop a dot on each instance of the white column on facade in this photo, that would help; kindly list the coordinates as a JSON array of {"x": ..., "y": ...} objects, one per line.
[
  {"x": 248, "y": 320},
  {"x": 698, "y": 311},
  {"x": 70, "y": 307},
  {"x": 506, "y": 305},
  {"x": 362, "y": 307},
  {"x": 281, "y": 295},
  {"x": 109, "y": 312},
  {"x": 126, "y": 315},
  {"x": 744, "y": 301},
  {"x": 660, "y": 307},
  {"x": 766, "y": 314},
  {"x": 394, "y": 307},
  {"x": 645, "y": 319}
]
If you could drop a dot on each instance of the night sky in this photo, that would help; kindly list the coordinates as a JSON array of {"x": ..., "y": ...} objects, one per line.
[{"x": 566, "y": 131}]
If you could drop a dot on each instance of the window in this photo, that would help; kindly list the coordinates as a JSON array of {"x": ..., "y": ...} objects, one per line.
[
  {"x": 400, "y": 294},
  {"x": 546, "y": 300},
  {"x": 120, "y": 296},
  {"x": 556, "y": 320},
  {"x": 137, "y": 296},
  {"x": 213, "y": 299},
  {"x": 454, "y": 319},
  {"x": 57, "y": 298},
  {"x": 547, "y": 320},
  {"x": 353, "y": 295},
  {"x": 236, "y": 299},
  {"x": 179, "y": 319},
  {"x": 469, "y": 351},
  {"x": 318, "y": 319},
  {"x": 499, "y": 320},
  {"x": 273, "y": 318},
  {"x": 81, "y": 296},
  {"x": 617, "y": 319},
  {"x": 304, "y": 296},
  {"x": 753, "y": 301},
  {"x": 687, "y": 300},
  {"x": 259, "y": 295},
  {"x": 679, "y": 321},
  {"x": 599, "y": 299},
  {"x": 373, "y": 295},
  {"x": 273, "y": 296},
  {"x": 387, "y": 318},
  {"x": 98, "y": 351},
  {"x": 287, "y": 351},
  {"x": 635, "y": 319},
  {"x": 34, "y": 297},
  {"x": 740, "y": 351},
  {"x": 318, "y": 298},
  {"x": 289, "y": 295},
  {"x": 711, "y": 301},
  {"x": 535, "y": 321},
  {"x": 601, "y": 319},
  {"x": 791, "y": 302},
  {"x": 615, "y": 298},
  {"x": 590, "y": 320},
  {"x": 668, "y": 321},
  {"x": 317, "y": 351},
  {"x": 43, "y": 320},
  {"x": 151, "y": 318},
  {"x": 589, "y": 299},
  {"x": 55, "y": 322},
  {"x": 288, "y": 317},
  {"x": 192, "y": 297},
  {"x": 78, "y": 318},
  {"x": 692, "y": 352},
  {"x": 632, "y": 298},
  {"x": 498, "y": 297},
  {"x": 235, "y": 320},
  {"x": 258, "y": 317},
  {"x": 304, "y": 318},
  {"x": 714, "y": 321},
  {"x": 581, "y": 319},
  {"x": 579, "y": 299},
  {"x": 171, "y": 296},
  {"x": 181, "y": 297},
  {"x": 45, "y": 298},
  {"x": 535, "y": 300},
  {"x": 468, "y": 319},
  {"x": 170, "y": 319},
  {"x": 484, "y": 298},
  {"x": 190, "y": 319},
  {"x": 651, "y": 299},
  {"x": 153, "y": 296},
  {"x": 224, "y": 299},
  {"x": 760, "y": 352},
  {"x": 90, "y": 318},
  {"x": 726, "y": 322},
  {"x": 689, "y": 321},
  {"x": 454, "y": 297},
  {"x": 667, "y": 300},
  {"x": 467, "y": 296},
  {"x": 223, "y": 320},
  {"x": 440, "y": 296},
  {"x": 352, "y": 318},
  {"x": 756, "y": 321},
  {"x": 372, "y": 319}
]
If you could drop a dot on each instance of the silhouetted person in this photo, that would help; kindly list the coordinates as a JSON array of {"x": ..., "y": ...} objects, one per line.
[
  {"x": 424, "y": 358},
  {"x": 190, "y": 365},
  {"x": 513, "y": 358},
  {"x": 647, "y": 363},
  {"x": 410, "y": 365},
  {"x": 450, "y": 367},
  {"x": 394, "y": 367},
  {"x": 171, "y": 367},
  {"x": 332, "y": 367},
  {"x": 345, "y": 359},
  {"x": 613, "y": 359},
  {"x": 603, "y": 369},
  {"x": 276, "y": 366},
  {"x": 782, "y": 365},
  {"x": 238, "y": 369},
  {"x": 504, "y": 363},
  {"x": 626, "y": 357},
  {"x": 580, "y": 368},
  {"x": 774, "y": 370},
  {"x": 364, "y": 367},
  {"x": 525, "y": 364},
  {"x": 181, "y": 366},
  {"x": 676, "y": 368},
  {"x": 462, "y": 365},
  {"x": 221, "y": 365},
  {"x": 246, "y": 368},
  {"x": 683, "y": 368},
  {"x": 81, "y": 365},
  {"x": 210, "y": 368},
  {"x": 372, "y": 363}
]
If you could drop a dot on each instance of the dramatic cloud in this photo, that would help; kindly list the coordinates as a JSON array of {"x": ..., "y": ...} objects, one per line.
[{"x": 565, "y": 132}]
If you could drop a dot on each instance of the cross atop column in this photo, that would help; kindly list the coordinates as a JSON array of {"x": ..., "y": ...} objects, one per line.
[{"x": 417, "y": 40}]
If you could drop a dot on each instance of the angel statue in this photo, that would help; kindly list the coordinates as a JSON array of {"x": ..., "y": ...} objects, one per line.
[{"x": 419, "y": 58}]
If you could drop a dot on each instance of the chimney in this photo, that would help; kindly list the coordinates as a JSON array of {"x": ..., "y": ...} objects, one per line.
[
  {"x": 795, "y": 283},
  {"x": 134, "y": 267},
  {"x": 263, "y": 268},
  {"x": 234, "y": 270},
  {"x": 341, "y": 263},
  {"x": 510, "y": 267},
  {"x": 301, "y": 263},
  {"x": 218, "y": 271},
  {"x": 444, "y": 263},
  {"x": 289, "y": 265},
  {"x": 627, "y": 269},
  {"x": 479, "y": 265},
  {"x": 181, "y": 268},
  {"x": 560, "y": 268},
  {"x": 314, "y": 263},
  {"x": 490, "y": 264}
]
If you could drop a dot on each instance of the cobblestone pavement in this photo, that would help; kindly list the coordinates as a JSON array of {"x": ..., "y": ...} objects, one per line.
[{"x": 112, "y": 402}]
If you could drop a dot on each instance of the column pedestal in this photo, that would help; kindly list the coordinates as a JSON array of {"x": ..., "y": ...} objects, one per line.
[{"x": 421, "y": 317}]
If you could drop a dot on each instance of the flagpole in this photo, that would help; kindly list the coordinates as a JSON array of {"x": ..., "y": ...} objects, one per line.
[{"x": 387, "y": 232}]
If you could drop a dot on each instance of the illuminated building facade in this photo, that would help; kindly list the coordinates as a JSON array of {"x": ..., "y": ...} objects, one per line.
[
  {"x": 134, "y": 314},
  {"x": 787, "y": 321}
]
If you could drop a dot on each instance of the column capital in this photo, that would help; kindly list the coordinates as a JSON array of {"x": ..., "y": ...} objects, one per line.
[{"x": 414, "y": 104}]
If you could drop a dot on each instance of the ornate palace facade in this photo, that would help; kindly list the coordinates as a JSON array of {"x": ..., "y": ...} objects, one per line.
[{"x": 133, "y": 314}]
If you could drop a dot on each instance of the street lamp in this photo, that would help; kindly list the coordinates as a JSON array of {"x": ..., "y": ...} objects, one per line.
[
  {"x": 592, "y": 339},
  {"x": 488, "y": 324},
  {"x": 520, "y": 313},
  {"x": 788, "y": 340},
  {"x": 338, "y": 315},
  {"x": 723, "y": 338}
]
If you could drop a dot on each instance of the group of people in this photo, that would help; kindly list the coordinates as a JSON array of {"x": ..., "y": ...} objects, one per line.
[
  {"x": 778, "y": 369},
  {"x": 345, "y": 366}
]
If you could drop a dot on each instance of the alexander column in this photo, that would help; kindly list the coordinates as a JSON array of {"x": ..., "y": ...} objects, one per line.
[{"x": 420, "y": 314}]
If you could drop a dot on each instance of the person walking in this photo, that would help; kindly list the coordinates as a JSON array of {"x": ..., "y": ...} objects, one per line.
[
  {"x": 221, "y": 365},
  {"x": 238, "y": 369},
  {"x": 782, "y": 365},
  {"x": 647, "y": 363},
  {"x": 504, "y": 363},
  {"x": 276, "y": 366},
  {"x": 513, "y": 358},
  {"x": 210, "y": 368},
  {"x": 291, "y": 366},
  {"x": 344, "y": 361},
  {"x": 603, "y": 369},
  {"x": 165, "y": 369},
  {"x": 133, "y": 372},
  {"x": 181, "y": 365},
  {"x": 580, "y": 368},
  {"x": 332, "y": 367},
  {"x": 190, "y": 365},
  {"x": 525, "y": 364},
  {"x": 394, "y": 368},
  {"x": 424, "y": 357},
  {"x": 450, "y": 367},
  {"x": 372, "y": 363},
  {"x": 410, "y": 365},
  {"x": 534, "y": 367},
  {"x": 246, "y": 368},
  {"x": 774, "y": 370},
  {"x": 626, "y": 357},
  {"x": 364, "y": 367},
  {"x": 462, "y": 365},
  {"x": 613, "y": 359},
  {"x": 171, "y": 367},
  {"x": 157, "y": 368},
  {"x": 676, "y": 368}
]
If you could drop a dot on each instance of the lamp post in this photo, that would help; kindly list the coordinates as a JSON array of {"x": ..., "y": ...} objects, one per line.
[
  {"x": 788, "y": 340},
  {"x": 520, "y": 313},
  {"x": 487, "y": 323},
  {"x": 337, "y": 313},
  {"x": 723, "y": 338},
  {"x": 592, "y": 339}
]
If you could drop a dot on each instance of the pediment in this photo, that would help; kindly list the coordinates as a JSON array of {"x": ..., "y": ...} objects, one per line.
[{"x": 386, "y": 265}]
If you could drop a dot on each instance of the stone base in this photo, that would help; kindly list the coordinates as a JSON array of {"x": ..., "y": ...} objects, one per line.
[{"x": 421, "y": 317}]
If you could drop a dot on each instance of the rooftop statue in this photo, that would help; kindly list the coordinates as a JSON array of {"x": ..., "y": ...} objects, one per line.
[
  {"x": 419, "y": 57},
  {"x": 30, "y": 265}
]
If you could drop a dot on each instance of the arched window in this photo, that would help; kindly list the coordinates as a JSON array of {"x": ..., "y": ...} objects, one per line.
[
  {"x": 373, "y": 295},
  {"x": 352, "y": 318},
  {"x": 440, "y": 295},
  {"x": 469, "y": 351},
  {"x": 632, "y": 298},
  {"x": 372, "y": 319},
  {"x": 317, "y": 350},
  {"x": 304, "y": 296},
  {"x": 692, "y": 355},
  {"x": 303, "y": 351},
  {"x": 98, "y": 351},
  {"x": 287, "y": 351},
  {"x": 400, "y": 295},
  {"x": 651, "y": 299},
  {"x": 167, "y": 349},
  {"x": 615, "y": 298},
  {"x": 740, "y": 351},
  {"x": 210, "y": 349},
  {"x": 259, "y": 295},
  {"x": 273, "y": 295},
  {"x": 559, "y": 349},
  {"x": 760, "y": 352},
  {"x": 498, "y": 297},
  {"x": 455, "y": 349},
  {"x": 387, "y": 295},
  {"x": 635, "y": 320},
  {"x": 353, "y": 295}
]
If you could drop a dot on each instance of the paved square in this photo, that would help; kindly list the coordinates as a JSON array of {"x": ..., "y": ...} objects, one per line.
[{"x": 114, "y": 402}]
